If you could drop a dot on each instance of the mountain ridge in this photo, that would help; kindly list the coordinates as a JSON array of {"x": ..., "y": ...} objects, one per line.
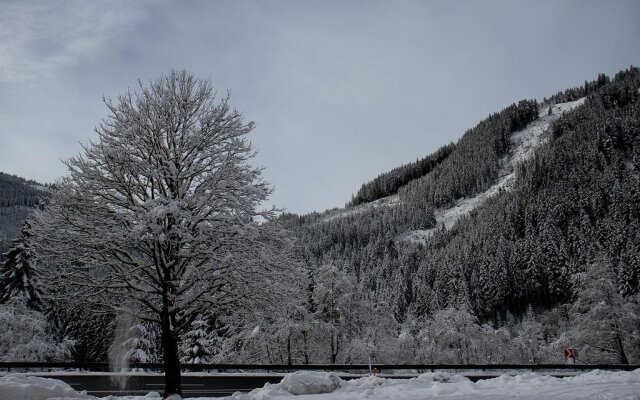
[{"x": 418, "y": 277}]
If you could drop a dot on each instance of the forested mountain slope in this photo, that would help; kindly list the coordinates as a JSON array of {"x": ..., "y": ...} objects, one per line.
[
  {"x": 18, "y": 197},
  {"x": 571, "y": 198},
  {"x": 516, "y": 242}
]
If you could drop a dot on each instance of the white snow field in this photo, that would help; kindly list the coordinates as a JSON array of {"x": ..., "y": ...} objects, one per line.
[
  {"x": 524, "y": 144},
  {"x": 529, "y": 386}
]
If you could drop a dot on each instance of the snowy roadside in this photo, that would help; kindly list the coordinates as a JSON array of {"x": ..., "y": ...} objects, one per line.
[{"x": 529, "y": 386}]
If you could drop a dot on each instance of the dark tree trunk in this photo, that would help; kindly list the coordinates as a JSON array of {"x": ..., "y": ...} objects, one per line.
[
  {"x": 172, "y": 378},
  {"x": 335, "y": 345},
  {"x": 289, "y": 358},
  {"x": 306, "y": 347},
  {"x": 621, "y": 352}
]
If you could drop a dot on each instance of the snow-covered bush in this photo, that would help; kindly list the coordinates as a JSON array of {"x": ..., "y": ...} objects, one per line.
[{"x": 24, "y": 336}]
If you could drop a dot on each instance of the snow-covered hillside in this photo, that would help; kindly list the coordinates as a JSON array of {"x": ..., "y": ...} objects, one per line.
[{"x": 524, "y": 144}]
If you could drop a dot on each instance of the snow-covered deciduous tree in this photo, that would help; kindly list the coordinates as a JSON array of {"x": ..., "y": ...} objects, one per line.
[
  {"x": 160, "y": 211},
  {"x": 341, "y": 312},
  {"x": 450, "y": 337},
  {"x": 530, "y": 338},
  {"x": 604, "y": 324}
]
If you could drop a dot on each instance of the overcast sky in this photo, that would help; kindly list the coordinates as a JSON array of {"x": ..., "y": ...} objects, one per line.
[{"x": 339, "y": 90}]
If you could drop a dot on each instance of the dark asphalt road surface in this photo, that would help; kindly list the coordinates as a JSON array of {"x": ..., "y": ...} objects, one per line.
[
  {"x": 102, "y": 385},
  {"x": 192, "y": 386}
]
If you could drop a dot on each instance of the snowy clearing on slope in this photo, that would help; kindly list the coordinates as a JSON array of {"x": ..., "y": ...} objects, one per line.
[
  {"x": 529, "y": 386},
  {"x": 345, "y": 212},
  {"x": 523, "y": 146}
]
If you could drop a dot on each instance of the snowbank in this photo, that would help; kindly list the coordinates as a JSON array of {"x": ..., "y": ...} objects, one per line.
[
  {"x": 310, "y": 382},
  {"x": 23, "y": 387},
  {"x": 304, "y": 385},
  {"x": 529, "y": 386}
]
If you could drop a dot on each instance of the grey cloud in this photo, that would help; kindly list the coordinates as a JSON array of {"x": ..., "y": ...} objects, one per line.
[{"x": 340, "y": 91}]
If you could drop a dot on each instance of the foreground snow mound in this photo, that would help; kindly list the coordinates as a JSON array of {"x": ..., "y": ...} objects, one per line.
[
  {"x": 23, "y": 387},
  {"x": 297, "y": 383},
  {"x": 310, "y": 382},
  {"x": 606, "y": 376},
  {"x": 433, "y": 384},
  {"x": 445, "y": 386}
]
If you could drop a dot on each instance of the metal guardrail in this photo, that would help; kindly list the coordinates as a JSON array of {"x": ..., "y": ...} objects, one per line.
[{"x": 104, "y": 366}]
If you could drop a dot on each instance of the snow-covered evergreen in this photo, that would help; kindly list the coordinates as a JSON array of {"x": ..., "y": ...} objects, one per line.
[
  {"x": 16, "y": 273},
  {"x": 197, "y": 345}
]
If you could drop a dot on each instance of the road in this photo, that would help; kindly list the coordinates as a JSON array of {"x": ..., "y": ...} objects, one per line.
[
  {"x": 102, "y": 385},
  {"x": 201, "y": 385}
]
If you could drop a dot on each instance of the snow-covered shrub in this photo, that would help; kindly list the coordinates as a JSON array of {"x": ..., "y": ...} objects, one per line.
[{"x": 24, "y": 336}]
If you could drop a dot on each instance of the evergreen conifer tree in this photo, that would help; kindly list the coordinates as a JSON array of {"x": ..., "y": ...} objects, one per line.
[
  {"x": 197, "y": 344},
  {"x": 16, "y": 274}
]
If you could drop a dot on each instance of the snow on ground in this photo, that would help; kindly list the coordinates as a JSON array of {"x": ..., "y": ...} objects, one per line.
[
  {"x": 310, "y": 382},
  {"x": 529, "y": 386},
  {"x": 523, "y": 146},
  {"x": 23, "y": 387}
]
